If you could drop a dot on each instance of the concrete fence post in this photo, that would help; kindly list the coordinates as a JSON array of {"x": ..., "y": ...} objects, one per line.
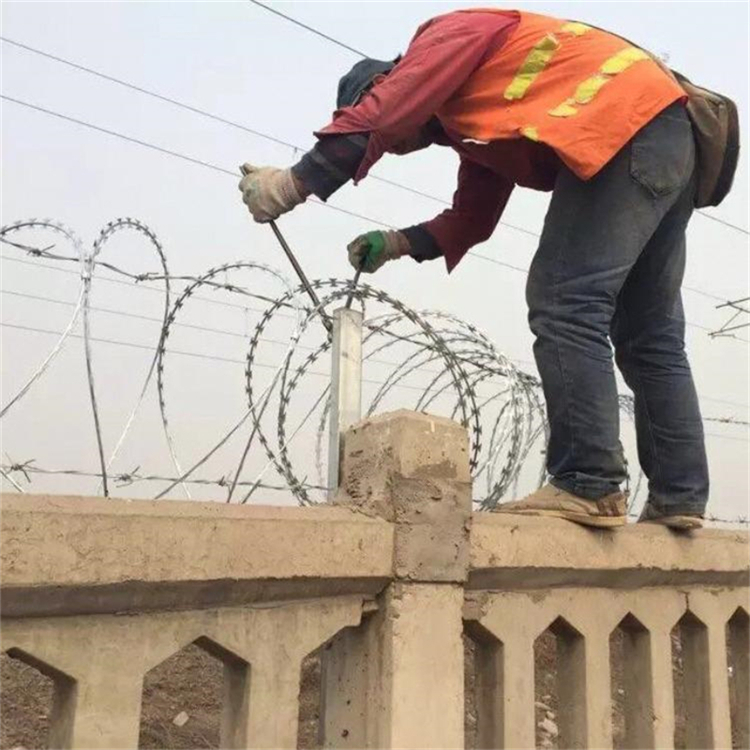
[
  {"x": 346, "y": 385},
  {"x": 397, "y": 681}
]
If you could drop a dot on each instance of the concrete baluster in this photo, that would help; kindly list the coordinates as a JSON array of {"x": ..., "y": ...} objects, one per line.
[
  {"x": 571, "y": 686},
  {"x": 739, "y": 642},
  {"x": 662, "y": 689},
  {"x": 718, "y": 683},
  {"x": 597, "y": 685},
  {"x": 276, "y": 640},
  {"x": 274, "y": 701},
  {"x": 699, "y": 731},
  {"x": 714, "y": 611},
  {"x": 518, "y": 729},
  {"x": 108, "y": 708},
  {"x": 235, "y": 701},
  {"x": 489, "y": 678},
  {"x": 508, "y": 624},
  {"x": 639, "y": 686}
]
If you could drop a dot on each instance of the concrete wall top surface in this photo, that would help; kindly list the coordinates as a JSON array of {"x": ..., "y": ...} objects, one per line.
[
  {"x": 519, "y": 552},
  {"x": 61, "y": 554},
  {"x": 93, "y": 554}
]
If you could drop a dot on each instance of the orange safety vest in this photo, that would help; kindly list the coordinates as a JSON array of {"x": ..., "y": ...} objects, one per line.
[{"x": 578, "y": 89}]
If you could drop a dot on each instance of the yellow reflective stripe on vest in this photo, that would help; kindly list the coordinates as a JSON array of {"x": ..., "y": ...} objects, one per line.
[
  {"x": 588, "y": 89},
  {"x": 538, "y": 59},
  {"x": 563, "y": 110},
  {"x": 576, "y": 28},
  {"x": 535, "y": 62},
  {"x": 623, "y": 60}
]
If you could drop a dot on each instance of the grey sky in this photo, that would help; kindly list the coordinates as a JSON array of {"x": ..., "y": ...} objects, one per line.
[{"x": 248, "y": 65}]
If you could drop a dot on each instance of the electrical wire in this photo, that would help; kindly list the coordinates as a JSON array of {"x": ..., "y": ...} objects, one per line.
[
  {"x": 328, "y": 38},
  {"x": 217, "y": 168},
  {"x": 231, "y": 360},
  {"x": 338, "y": 42},
  {"x": 231, "y": 123},
  {"x": 184, "y": 353},
  {"x": 268, "y": 136}
]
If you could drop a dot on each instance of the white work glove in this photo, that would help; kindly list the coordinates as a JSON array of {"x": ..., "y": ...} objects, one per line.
[
  {"x": 269, "y": 192},
  {"x": 370, "y": 251}
]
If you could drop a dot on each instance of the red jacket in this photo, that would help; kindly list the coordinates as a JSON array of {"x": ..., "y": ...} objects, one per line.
[
  {"x": 441, "y": 57},
  {"x": 443, "y": 53}
]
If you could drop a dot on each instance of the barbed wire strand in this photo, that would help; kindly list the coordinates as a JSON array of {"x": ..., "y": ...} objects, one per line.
[
  {"x": 456, "y": 343},
  {"x": 133, "y": 477},
  {"x": 136, "y": 277},
  {"x": 78, "y": 307}
]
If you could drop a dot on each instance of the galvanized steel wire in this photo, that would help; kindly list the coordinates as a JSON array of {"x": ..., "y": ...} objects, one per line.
[{"x": 468, "y": 378}]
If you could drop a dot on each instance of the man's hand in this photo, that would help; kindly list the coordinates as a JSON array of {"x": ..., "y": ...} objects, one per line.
[
  {"x": 269, "y": 192},
  {"x": 370, "y": 251}
]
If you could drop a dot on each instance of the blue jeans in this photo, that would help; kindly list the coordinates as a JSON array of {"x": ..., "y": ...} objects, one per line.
[{"x": 609, "y": 269}]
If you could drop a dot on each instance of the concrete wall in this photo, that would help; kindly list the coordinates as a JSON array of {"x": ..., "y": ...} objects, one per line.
[{"x": 97, "y": 592}]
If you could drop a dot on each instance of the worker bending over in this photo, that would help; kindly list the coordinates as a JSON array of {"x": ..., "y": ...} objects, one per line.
[{"x": 553, "y": 105}]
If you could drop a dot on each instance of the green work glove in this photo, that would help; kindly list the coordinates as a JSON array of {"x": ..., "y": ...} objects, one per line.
[{"x": 371, "y": 250}]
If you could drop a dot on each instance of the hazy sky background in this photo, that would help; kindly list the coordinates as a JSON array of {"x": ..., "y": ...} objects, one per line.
[{"x": 248, "y": 65}]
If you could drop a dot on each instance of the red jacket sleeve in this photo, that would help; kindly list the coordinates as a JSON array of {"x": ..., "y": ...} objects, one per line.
[
  {"x": 478, "y": 204},
  {"x": 443, "y": 54}
]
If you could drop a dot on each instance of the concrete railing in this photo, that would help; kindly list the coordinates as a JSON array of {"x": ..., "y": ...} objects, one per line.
[{"x": 390, "y": 577}]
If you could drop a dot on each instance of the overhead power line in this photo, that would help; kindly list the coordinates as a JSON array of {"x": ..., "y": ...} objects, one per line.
[
  {"x": 176, "y": 154},
  {"x": 723, "y": 221},
  {"x": 362, "y": 54},
  {"x": 147, "y": 92},
  {"x": 242, "y": 308},
  {"x": 231, "y": 360},
  {"x": 268, "y": 136},
  {"x": 312, "y": 30},
  {"x": 223, "y": 170},
  {"x": 187, "y": 353},
  {"x": 124, "y": 137}
]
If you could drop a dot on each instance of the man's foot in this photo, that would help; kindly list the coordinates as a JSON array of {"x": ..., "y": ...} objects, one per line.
[
  {"x": 550, "y": 501},
  {"x": 679, "y": 522}
]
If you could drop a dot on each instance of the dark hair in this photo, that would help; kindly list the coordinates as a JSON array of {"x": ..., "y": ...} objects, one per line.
[{"x": 360, "y": 78}]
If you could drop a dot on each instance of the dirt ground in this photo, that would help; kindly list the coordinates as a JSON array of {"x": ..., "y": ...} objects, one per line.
[{"x": 188, "y": 686}]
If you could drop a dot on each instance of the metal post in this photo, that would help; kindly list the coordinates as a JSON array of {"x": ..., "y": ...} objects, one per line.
[{"x": 346, "y": 385}]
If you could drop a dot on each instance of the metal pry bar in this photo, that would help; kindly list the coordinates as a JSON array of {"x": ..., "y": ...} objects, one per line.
[
  {"x": 298, "y": 270},
  {"x": 355, "y": 281},
  {"x": 301, "y": 275}
]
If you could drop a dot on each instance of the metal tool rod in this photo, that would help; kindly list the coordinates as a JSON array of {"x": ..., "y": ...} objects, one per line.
[
  {"x": 301, "y": 275},
  {"x": 297, "y": 268},
  {"x": 355, "y": 281},
  {"x": 346, "y": 386}
]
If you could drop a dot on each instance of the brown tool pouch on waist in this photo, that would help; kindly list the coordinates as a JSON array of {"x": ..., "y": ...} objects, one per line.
[{"x": 716, "y": 130}]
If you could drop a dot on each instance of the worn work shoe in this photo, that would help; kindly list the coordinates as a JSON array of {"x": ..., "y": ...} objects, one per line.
[
  {"x": 551, "y": 501},
  {"x": 679, "y": 522}
]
